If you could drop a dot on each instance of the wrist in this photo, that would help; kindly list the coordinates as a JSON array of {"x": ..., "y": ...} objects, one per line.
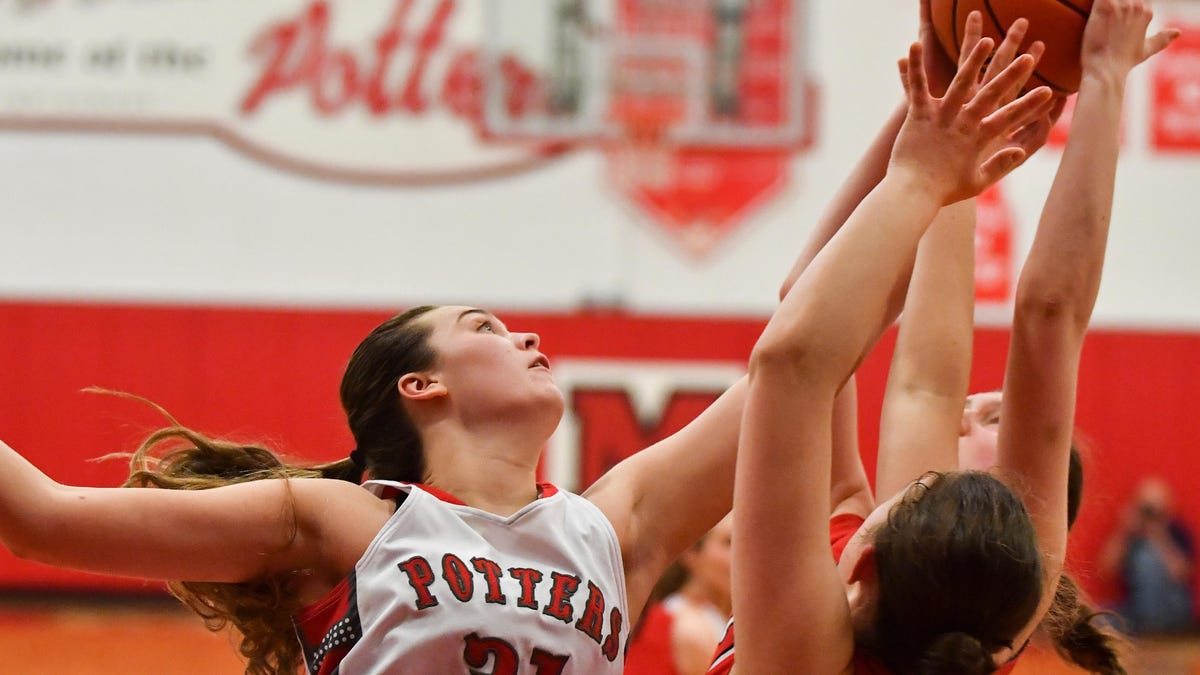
[
  {"x": 918, "y": 183},
  {"x": 1108, "y": 77}
]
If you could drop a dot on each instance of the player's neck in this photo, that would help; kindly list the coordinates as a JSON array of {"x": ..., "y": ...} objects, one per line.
[{"x": 495, "y": 472}]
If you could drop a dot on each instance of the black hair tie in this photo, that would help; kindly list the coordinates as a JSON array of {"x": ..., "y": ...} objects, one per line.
[{"x": 357, "y": 458}]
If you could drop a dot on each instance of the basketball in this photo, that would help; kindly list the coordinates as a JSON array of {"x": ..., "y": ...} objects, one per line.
[{"x": 1057, "y": 23}]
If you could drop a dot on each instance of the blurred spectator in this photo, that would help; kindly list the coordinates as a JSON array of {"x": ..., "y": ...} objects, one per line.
[
  {"x": 687, "y": 612},
  {"x": 1152, "y": 555}
]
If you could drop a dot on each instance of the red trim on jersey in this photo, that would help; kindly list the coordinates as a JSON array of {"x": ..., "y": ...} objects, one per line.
[
  {"x": 543, "y": 490},
  {"x": 332, "y": 604},
  {"x": 315, "y": 622},
  {"x": 440, "y": 494},
  {"x": 723, "y": 658}
]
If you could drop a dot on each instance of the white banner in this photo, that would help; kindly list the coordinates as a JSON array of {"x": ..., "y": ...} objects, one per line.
[{"x": 369, "y": 89}]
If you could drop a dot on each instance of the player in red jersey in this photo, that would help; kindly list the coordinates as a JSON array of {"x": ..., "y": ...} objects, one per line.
[{"x": 1118, "y": 42}]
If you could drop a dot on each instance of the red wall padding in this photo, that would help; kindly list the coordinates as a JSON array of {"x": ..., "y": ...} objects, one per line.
[{"x": 272, "y": 374}]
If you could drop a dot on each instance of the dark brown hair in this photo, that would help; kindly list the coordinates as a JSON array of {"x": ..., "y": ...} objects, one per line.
[
  {"x": 387, "y": 439},
  {"x": 960, "y": 575},
  {"x": 389, "y": 444},
  {"x": 1071, "y": 622}
]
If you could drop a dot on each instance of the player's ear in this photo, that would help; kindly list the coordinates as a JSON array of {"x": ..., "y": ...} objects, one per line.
[{"x": 420, "y": 386}]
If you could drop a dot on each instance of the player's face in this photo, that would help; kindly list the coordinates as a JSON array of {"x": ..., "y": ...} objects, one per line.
[
  {"x": 979, "y": 432},
  {"x": 489, "y": 371}
]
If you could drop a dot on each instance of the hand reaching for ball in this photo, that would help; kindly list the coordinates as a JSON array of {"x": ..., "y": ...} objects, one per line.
[
  {"x": 1115, "y": 39},
  {"x": 959, "y": 144}
]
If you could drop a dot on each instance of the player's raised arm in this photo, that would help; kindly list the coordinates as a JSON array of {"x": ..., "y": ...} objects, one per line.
[
  {"x": 1061, "y": 276},
  {"x": 946, "y": 150}
]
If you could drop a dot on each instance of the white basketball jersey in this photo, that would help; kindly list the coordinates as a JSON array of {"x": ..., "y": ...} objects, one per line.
[{"x": 445, "y": 589}]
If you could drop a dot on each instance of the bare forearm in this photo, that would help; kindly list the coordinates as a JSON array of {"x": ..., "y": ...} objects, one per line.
[
  {"x": 933, "y": 348},
  {"x": 849, "y": 489},
  {"x": 1063, "y": 270},
  {"x": 832, "y": 313},
  {"x": 931, "y": 365}
]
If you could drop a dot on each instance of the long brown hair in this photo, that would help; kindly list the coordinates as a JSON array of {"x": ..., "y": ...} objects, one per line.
[
  {"x": 389, "y": 446},
  {"x": 178, "y": 458},
  {"x": 1071, "y": 623}
]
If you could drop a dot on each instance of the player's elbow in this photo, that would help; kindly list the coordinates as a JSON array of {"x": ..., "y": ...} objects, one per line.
[
  {"x": 26, "y": 540},
  {"x": 31, "y": 532},
  {"x": 1052, "y": 306},
  {"x": 798, "y": 359}
]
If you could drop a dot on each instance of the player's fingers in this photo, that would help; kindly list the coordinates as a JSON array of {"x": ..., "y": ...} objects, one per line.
[
  {"x": 918, "y": 84},
  {"x": 972, "y": 34},
  {"x": 966, "y": 79},
  {"x": 1020, "y": 113},
  {"x": 992, "y": 94},
  {"x": 1007, "y": 51}
]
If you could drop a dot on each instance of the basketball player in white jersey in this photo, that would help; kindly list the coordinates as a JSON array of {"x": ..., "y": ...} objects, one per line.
[{"x": 457, "y": 561}]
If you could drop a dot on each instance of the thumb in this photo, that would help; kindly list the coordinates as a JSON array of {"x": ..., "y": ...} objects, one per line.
[{"x": 1159, "y": 41}]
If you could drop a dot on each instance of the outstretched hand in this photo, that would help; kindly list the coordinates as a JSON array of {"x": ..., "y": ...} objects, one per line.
[
  {"x": 959, "y": 144},
  {"x": 1115, "y": 39},
  {"x": 1033, "y": 135}
]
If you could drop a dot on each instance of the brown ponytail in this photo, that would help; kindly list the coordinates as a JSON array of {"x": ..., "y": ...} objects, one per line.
[
  {"x": 1071, "y": 626},
  {"x": 1070, "y": 623},
  {"x": 956, "y": 654}
]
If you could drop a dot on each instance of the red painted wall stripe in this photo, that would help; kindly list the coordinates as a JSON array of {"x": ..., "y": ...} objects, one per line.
[{"x": 272, "y": 374}]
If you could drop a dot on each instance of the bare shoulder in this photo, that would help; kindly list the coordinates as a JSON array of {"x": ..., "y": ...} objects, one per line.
[
  {"x": 341, "y": 517},
  {"x": 337, "y": 504}
]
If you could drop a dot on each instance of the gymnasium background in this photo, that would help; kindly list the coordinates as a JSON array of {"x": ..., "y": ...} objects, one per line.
[{"x": 192, "y": 216}]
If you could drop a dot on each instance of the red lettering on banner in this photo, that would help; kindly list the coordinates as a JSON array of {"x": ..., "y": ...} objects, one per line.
[
  {"x": 296, "y": 54},
  {"x": 610, "y": 431},
  {"x": 1175, "y": 116}
]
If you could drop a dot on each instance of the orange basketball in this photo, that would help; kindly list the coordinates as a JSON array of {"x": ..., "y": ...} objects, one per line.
[{"x": 1057, "y": 23}]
